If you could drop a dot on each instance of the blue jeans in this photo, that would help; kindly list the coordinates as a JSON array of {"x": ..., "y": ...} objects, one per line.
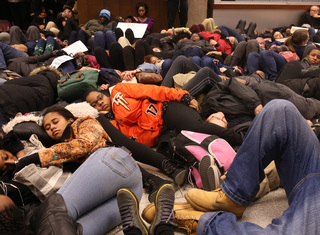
[
  {"x": 269, "y": 62},
  {"x": 230, "y": 32},
  {"x": 206, "y": 61},
  {"x": 103, "y": 40},
  {"x": 279, "y": 133},
  {"x": 7, "y": 52},
  {"x": 90, "y": 193}
]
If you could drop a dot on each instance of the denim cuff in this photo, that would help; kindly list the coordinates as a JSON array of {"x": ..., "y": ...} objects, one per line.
[
  {"x": 232, "y": 196},
  {"x": 205, "y": 221}
]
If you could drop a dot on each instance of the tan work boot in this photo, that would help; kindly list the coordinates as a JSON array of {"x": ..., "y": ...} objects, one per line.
[
  {"x": 215, "y": 200},
  {"x": 149, "y": 212},
  {"x": 184, "y": 216}
]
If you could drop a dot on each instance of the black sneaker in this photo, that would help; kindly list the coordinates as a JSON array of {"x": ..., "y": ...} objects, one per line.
[
  {"x": 177, "y": 173},
  {"x": 153, "y": 184},
  {"x": 204, "y": 165},
  {"x": 129, "y": 211},
  {"x": 164, "y": 208}
]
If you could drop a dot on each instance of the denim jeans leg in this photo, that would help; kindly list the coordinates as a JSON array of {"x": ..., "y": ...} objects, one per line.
[
  {"x": 8, "y": 52},
  {"x": 279, "y": 133},
  {"x": 166, "y": 66},
  {"x": 208, "y": 62},
  {"x": 90, "y": 192},
  {"x": 271, "y": 62},
  {"x": 99, "y": 40},
  {"x": 110, "y": 37},
  {"x": 253, "y": 62}
]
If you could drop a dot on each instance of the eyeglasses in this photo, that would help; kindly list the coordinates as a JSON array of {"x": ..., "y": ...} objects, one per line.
[{"x": 99, "y": 97}]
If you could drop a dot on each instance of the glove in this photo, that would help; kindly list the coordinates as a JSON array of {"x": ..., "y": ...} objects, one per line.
[{"x": 25, "y": 161}]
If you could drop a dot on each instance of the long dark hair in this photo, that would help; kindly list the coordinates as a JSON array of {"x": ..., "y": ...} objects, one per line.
[{"x": 61, "y": 110}]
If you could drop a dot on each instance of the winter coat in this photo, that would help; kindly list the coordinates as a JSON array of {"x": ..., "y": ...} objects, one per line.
[
  {"x": 137, "y": 109},
  {"x": 83, "y": 137},
  {"x": 306, "y": 83},
  {"x": 232, "y": 98},
  {"x": 28, "y": 94},
  {"x": 223, "y": 45},
  {"x": 187, "y": 43},
  {"x": 51, "y": 217},
  {"x": 24, "y": 65},
  {"x": 93, "y": 26},
  {"x": 306, "y": 18}
]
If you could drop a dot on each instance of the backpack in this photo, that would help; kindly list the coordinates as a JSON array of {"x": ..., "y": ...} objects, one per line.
[
  {"x": 191, "y": 147},
  {"x": 75, "y": 84}
]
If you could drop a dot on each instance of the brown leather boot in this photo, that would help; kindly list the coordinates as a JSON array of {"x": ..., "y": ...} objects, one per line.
[
  {"x": 215, "y": 200},
  {"x": 184, "y": 216}
]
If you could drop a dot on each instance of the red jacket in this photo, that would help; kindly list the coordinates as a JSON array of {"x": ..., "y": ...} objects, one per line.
[
  {"x": 138, "y": 109},
  {"x": 223, "y": 45}
]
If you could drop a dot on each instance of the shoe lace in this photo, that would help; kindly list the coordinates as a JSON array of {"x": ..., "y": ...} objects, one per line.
[
  {"x": 126, "y": 217},
  {"x": 185, "y": 224},
  {"x": 167, "y": 212},
  {"x": 194, "y": 165},
  {"x": 168, "y": 168}
]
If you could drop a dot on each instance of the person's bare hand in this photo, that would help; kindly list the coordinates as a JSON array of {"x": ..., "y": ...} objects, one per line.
[
  {"x": 224, "y": 77},
  {"x": 214, "y": 53},
  {"x": 310, "y": 123},
  {"x": 128, "y": 75},
  {"x": 104, "y": 87},
  {"x": 213, "y": 42},
  {"x": 257, "y": 109},
  {"x": 194, "y": 104}
]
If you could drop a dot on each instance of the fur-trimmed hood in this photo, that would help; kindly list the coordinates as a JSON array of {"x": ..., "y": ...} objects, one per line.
[
  {"x": 77, "y": 109},
  {"x": 45, "y": 68}
]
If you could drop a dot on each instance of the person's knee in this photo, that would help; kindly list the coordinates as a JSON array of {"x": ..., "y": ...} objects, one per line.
[
  {"x": 279, "y": 105},
  {"x": 180, "y": 59},
  {"x": 109, "y": 34},
  {"x": 33, "y": 28},
  {"x": 196, "y": 60},
  {"x": 99, "y": 34},
  {"x": 14, "y": 29}
]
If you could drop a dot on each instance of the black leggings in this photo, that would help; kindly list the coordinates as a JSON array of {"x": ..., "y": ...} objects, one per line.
[
  {"x": 133, "y": 57},
  {"x": 140, "y": 152},
  {"x": 127, "y": 58},
  {"x": 181, "y": 117},
  {"x": 112, "y": 61}
]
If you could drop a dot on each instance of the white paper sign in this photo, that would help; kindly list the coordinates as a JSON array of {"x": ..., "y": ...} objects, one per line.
[
  {"x": 75, "y": 47},
  {"x": 71, "y": 50},
  {"x": 60, "y": 60},
  {"x": 138, "y": 28}
]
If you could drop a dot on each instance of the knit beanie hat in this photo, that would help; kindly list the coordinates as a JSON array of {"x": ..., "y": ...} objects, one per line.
[
  {"x": 106, "y": 13},
  {"x": 195, "y": 29},
  {"x": 202, "y": 28}
]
